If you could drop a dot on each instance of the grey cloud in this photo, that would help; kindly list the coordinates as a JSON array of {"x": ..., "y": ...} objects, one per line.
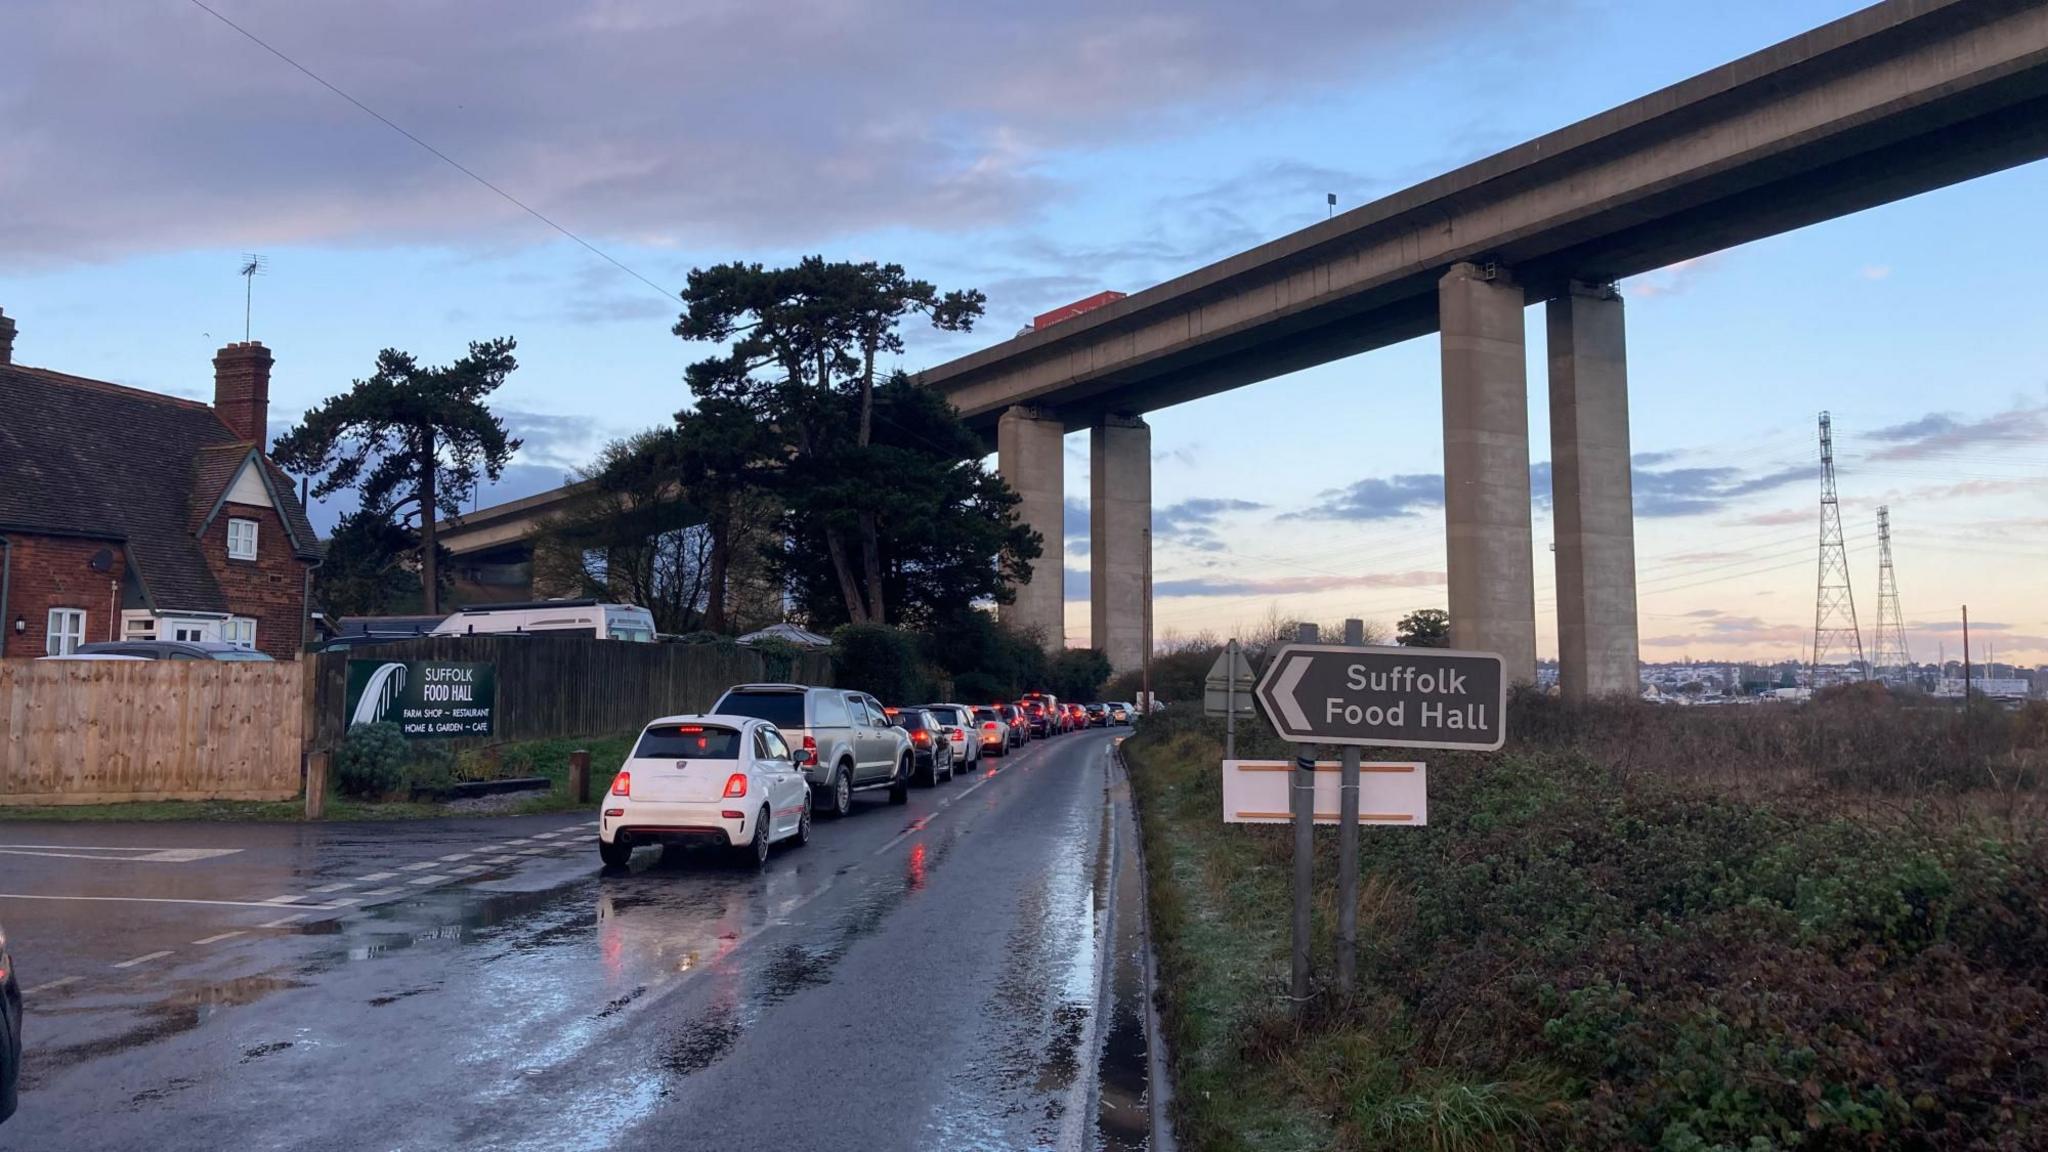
[
  {"x": 1939, "y": 432},
  {"x": 1193, "y": 523},
  {"x": 1670, "y": 492},
  {"x": 156, "y": 127},
  {"x": 1076, "y": 586},
  {"x": 1292, "y": 585},
  {"x": 1075, "y": 528},
  {"x": 1374, "y": 498}
]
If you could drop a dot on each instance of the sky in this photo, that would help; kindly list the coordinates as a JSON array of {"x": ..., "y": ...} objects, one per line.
[{"x": 1040, "y": 153}]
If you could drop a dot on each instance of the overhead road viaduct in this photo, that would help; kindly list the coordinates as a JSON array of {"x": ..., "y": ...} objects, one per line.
[{"x": 1897, "y": 99}]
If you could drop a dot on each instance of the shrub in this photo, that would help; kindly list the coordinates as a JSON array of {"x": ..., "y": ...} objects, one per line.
[
  {"x": 881, "y": 661},
  {"x": 372, "y": 760},
  {"x": 432, "y": 765}
]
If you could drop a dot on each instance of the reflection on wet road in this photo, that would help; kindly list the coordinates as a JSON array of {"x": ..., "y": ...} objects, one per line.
[{"x": 921, "y": 977}]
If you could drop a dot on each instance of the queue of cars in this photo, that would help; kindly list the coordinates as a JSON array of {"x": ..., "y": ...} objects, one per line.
[{"x": 752, "y": 771}]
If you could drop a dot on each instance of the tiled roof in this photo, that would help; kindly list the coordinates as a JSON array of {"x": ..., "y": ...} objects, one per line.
[{"x": 85, "y": 456}]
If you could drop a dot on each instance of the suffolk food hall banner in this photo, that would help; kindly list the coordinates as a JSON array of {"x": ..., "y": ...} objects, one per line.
[{"x": 425, "y": 698}]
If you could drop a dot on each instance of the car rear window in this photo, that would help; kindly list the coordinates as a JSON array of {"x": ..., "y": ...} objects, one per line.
[
  {"x": 785, "y": 710},
  {"x": 986, "y": 714},
  {"x": 688, "y": 742},
  {"x": 910, "y": 720}
]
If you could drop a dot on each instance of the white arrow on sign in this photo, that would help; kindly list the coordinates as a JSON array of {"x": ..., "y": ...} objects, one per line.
[{"x": 1283, "y": 691}]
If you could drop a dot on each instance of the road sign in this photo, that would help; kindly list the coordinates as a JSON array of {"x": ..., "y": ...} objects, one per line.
[
  {"x": 427, "y": 699},
  {"x": 1229, "y": 684},
  {"x": 1386, "y": 697},
  {"x": 1255, "y": 792}
]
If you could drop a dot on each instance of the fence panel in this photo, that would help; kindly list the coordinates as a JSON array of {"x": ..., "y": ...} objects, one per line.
[
  {"x": 549, "y": 686},
  {"x": 95, "y": 731}
]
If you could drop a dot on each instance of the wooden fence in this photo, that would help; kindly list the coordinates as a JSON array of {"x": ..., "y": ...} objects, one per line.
[
  {"x": 551, "y": 686},
  {"x": 94, "y": 731}
]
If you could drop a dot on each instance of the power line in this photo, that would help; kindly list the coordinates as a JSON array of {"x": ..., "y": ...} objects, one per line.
[{"x": 451, "y": 161}]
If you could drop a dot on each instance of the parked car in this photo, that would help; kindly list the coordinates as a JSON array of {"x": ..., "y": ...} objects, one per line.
[
  {"x": 1098, "y": 715},
  {"x": 993, "y": 728},
  {"x": 931, "y": 753},
  {"x": 725, "y": 780},
  {"x": 1077, "y": 717},
  {"x": 10, "y": 1031},
  {"x": 1119, "y": 713},
  {"x": 163, "y": 650},
  {"x": 961, "y": 733},
  {"x": 843, "y": 740},
  {"x": 589, "y": 618}
]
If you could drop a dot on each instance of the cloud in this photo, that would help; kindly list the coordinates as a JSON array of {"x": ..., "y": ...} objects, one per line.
[
  {"x": 1192, "y": 523},
  {"x": 1671, "y": 280},
  {"x": 1956, "y": 626},
  {"x": 559, "y": 441},
  {"x": 1876, "y": 271},
  {"x": 1779, "y": 518},
  {"x": 1941, "y": 432},
  {"x": 1293, "y": 585},
  {"x": 1696, "y": 491},
  {"x": 1733, "y": 630},
  {"x": 1077, "y": 586},
  {"x": 1375, "y": 498},
  {"x": 1652, "y": 459},
  {"x": 640, "y": 122},
  {"x": 1074, "y": 527}
]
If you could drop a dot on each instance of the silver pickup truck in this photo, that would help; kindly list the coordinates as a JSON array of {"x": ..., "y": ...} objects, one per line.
[{"x": 842, "y": 739}]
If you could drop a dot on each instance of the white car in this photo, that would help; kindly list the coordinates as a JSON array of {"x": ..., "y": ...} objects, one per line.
[
  {"x": 724, "y": 780},
  {"x": 958, "y": 720}
]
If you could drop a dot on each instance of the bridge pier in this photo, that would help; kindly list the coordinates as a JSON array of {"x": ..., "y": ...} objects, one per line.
[
  {"x": 1591, "y": 486},
  {"x": 1120, "y": 538},
  {"x": 1031, "y": 455},
  {"x": 1488, "y": 541}
]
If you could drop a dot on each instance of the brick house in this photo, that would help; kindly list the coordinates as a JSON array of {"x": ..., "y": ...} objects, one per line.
[{"x": 127, "y": 514}]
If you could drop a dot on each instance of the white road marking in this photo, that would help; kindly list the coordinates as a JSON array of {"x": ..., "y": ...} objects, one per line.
[
  {"x": 431, "y": 878},
  {"x": 344, "y": 901},
  {"x": 144, "y": 959},
  {"x": 281, "y": 921},
  {"x": 118, "y": 855},
  {"x": 52, "y": 985},
  {"x": 337, "y": 886},
  {"x": 220, "y": 936},
  {"x": 375, "y": 876},
  {"x": 532, "y": 851},
  {"x": 467, "y": 869},
  {"x": 499, "y": 859},
  {"x": 545, "y": 835},
  {"x": 457, "y": 856},
  {"x": 380, "y": 892},
  {"x": 147, "y": 900},
  {"x": 284, "y": 899},
  {"x": 419, "y": 867}
]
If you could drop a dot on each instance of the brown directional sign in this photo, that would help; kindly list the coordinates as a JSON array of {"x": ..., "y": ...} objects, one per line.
[{"x": 1386, "y": 697}]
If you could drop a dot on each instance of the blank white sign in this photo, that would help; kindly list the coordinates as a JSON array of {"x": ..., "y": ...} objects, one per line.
[{"x": 1389, "y": 792}]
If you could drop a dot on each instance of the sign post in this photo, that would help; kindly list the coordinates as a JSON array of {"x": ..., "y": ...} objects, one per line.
[
  {"x": 1347, "y": 850},
  {"x": 1302, "y": 805},
  {"x": 1227, "y": 691},
  {"x": 1359, "y": 697}
]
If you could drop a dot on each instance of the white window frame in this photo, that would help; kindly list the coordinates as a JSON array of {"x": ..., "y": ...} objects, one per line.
[
  {"x": 65, "y": 631},
  {"x": 138, "y": 626},
  {"x": 232, "y": 629},
  {"x": 243, "y": 548},
  {"x": 188, "y": 631}
]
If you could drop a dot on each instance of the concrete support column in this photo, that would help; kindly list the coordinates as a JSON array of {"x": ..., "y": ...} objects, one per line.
[
  {"x": 1120, "y": 539},
  {"x": 1486, "y": 466},
  {"x": 1031, "y": 455},
  {"x": 1595, "y": 517}
]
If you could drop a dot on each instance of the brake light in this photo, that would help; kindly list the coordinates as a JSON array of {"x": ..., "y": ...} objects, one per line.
[
  {"x": 736, "y": 785},
  {"x": 989, "y": 726},
  {"x": 809, "y": 755},
  {"x": 691, "y": 729},
  {"x": 920, "y": 737},
  {"x": 622, "y": 784},
  {"x": 891, "y": 711}
]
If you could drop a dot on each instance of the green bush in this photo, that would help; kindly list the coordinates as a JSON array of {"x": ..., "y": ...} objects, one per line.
[
  {"x": 881, "y": 661},
  {"x": 432, "y": 765},
  {"x": 372, "y": 760}
]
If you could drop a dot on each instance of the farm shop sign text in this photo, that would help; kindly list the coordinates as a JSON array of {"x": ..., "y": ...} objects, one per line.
[
  {"x": 1395, "y": 697},
  {"x": 425, "y": 698}
]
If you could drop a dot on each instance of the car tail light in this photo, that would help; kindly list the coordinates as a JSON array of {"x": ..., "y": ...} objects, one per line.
[
  {"x": 988, "y": 726},
  {"x": 809, "y": 755},
  {"x": 691, "y": 729},
  {"x": 736, "y": 785},
  {"x": 615, "y": 813},
  {"x": 622, "y": 784},
  {"x": 920, "y": 737},
  {"x": 733, "y": 814}
]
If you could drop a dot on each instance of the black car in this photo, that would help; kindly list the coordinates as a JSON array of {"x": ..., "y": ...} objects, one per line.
[
  {"x": 931, "y": 754},
  {"x": 10, "y": 1030},
  {"x": 1098, "y": 716}
]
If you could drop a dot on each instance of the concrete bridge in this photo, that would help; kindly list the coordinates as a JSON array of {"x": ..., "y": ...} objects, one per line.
[{"x": 1895, "y": 100}]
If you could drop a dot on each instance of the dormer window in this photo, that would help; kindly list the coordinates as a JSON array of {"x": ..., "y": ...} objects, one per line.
[{"x": 241, "y": 539}]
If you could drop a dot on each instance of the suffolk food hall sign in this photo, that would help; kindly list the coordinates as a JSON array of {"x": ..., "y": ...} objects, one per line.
[
  {"x": 1387, "y": 697},
  {"x": 425, "y": 698}
]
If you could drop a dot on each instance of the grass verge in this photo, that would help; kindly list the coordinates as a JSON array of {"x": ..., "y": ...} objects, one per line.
[{"x": 1571, "y": 956}]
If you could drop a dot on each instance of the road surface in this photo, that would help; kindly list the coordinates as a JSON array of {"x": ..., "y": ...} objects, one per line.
[{"x": 955, "y": 974}]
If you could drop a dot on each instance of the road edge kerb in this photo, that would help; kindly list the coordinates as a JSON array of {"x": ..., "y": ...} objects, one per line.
[{"x": 1159, "y": 1071}]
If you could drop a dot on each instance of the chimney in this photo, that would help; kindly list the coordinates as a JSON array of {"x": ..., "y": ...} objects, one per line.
[
  {"x": 6, "y": 339},
  {"x": 241, "y": 390}
]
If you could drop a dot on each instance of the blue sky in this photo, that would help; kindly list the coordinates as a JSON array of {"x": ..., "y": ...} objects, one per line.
[{"x": 1041, "y": 154}]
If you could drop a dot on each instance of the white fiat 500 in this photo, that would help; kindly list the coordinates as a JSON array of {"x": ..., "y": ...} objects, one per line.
[{"x": 724, "y": 780}]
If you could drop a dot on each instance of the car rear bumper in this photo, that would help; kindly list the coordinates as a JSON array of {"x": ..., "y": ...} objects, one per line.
[{"x": 646, "y": 823}]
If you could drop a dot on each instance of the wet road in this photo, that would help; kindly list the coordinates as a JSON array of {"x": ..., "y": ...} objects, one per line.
[{"x": 957, "y": 974}]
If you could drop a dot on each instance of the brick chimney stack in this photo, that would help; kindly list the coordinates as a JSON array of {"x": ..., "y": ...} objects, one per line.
[
  {"x": 241, "y": 389},
  {"x": 6, "y": 339}
]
